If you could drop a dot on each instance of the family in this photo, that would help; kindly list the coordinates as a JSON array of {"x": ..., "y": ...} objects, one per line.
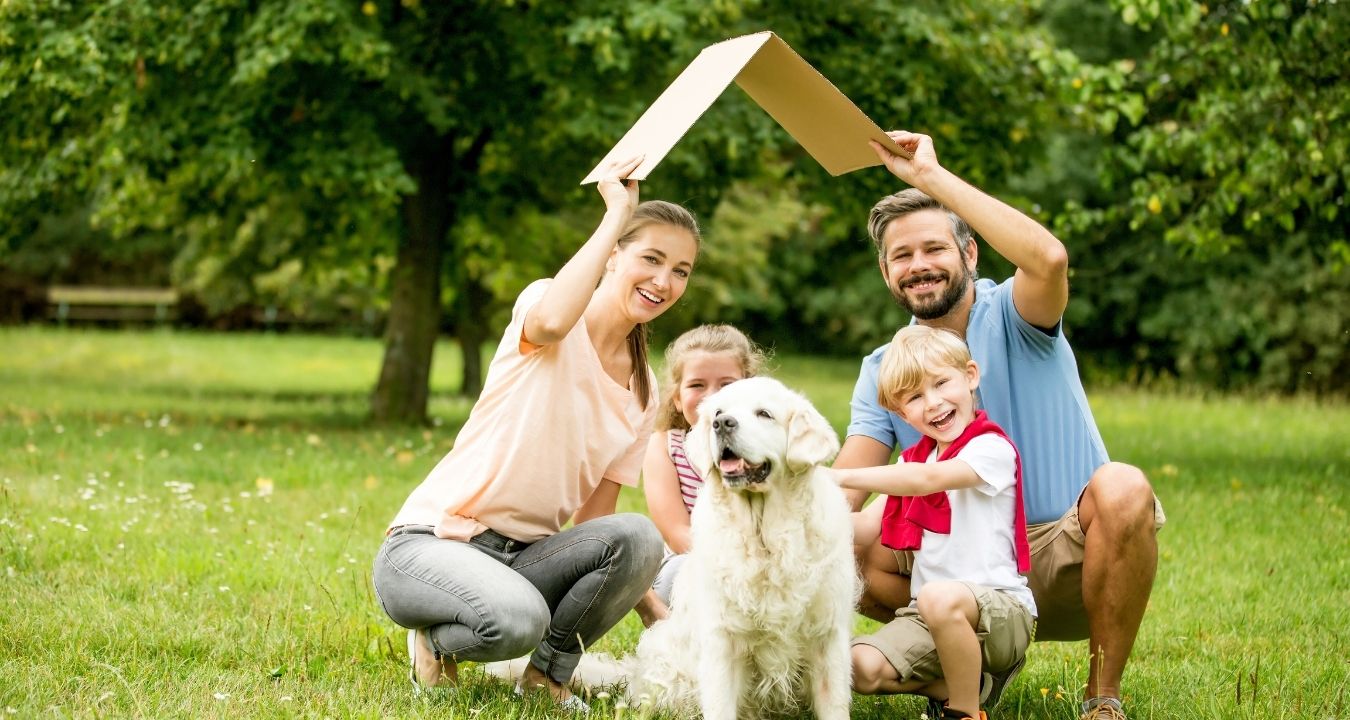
[{"x": 1004, "y": 522}]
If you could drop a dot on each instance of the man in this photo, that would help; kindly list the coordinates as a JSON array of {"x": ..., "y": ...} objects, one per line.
[{"x": 1092, "y": 522}]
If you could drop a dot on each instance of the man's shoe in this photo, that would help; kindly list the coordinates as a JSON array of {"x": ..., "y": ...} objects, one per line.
[{"x": 1102, "y": 708}]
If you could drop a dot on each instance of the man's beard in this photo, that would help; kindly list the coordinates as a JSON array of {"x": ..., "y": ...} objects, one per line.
[{"x": 939, "y": 306}]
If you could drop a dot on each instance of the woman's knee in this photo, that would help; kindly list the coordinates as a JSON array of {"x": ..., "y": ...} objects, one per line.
[
  {"x": 515, "y": 625},
  {"x": 638, "y": 540}
]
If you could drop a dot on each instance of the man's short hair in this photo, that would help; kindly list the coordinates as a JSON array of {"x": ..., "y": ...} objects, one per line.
[{"x": 905, "y": 202}]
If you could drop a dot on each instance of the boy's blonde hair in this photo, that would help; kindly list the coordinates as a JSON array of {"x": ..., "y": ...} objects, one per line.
[
  {"x": 713, "y": 339},
  {"x": 916, "y": 352}
]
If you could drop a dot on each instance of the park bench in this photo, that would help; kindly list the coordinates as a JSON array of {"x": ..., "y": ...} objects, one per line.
[{"x": 111, "y": 304}]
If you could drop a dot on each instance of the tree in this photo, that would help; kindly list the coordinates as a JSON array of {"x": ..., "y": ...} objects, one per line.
[
  {"x": 1221, "y": 245},
  {"x": 323, "y": 129},
  {"x": 283, "y": 144}
]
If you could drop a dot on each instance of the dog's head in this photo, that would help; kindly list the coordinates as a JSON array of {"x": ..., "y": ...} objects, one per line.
[{"x": 754, "y": 431}]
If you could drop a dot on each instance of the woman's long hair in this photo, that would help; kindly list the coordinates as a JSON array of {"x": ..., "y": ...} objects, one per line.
[{"x": 651, "y": 212}]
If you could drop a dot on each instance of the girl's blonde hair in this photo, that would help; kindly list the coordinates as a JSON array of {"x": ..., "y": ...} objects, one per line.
[
  {"x": 713, "y": 339},
  {"x": 915, "y": 353}
]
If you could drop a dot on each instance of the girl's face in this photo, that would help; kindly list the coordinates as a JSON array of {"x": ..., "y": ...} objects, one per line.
[
  {"x": 650, "y": 273},
  {"x": 943, "y": 406},
  {"x": 703, "y": 374}
]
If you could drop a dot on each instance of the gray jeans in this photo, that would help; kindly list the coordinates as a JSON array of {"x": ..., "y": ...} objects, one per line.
[
  {"x": 664, "y": 584},
  {"x": 493, "y": 598}
]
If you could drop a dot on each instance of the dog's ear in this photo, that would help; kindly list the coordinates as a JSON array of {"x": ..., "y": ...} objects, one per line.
[
  {"x": 811, "y": 440},
  {"x": 698, "y": 447}
]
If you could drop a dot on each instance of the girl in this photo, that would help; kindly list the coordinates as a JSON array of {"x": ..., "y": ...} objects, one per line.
[
  {"x": 699, "y": 363},
  {"x": 476, "y": 563}
]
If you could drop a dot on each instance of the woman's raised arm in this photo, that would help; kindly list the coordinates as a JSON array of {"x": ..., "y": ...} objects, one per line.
[{"x": 563, "y": 303}]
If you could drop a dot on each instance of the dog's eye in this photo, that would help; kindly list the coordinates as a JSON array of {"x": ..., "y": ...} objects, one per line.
[{"x": 764, "y": 414}]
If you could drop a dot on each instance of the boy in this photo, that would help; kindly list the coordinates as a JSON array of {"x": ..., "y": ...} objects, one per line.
[{"x": 956, "y": 501}]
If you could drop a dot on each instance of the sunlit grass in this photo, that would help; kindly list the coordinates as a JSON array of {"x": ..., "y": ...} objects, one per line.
[{"x": 187, "y": 522}]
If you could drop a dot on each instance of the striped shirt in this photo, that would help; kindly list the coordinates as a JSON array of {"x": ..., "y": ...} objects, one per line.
[{"x": 690, "y": 482}]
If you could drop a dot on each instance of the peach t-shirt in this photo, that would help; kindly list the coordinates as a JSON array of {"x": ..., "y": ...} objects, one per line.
[{"x": 549, "y": 425}]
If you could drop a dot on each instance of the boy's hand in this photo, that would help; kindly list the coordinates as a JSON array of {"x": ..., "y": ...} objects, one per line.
[{"x": 838, "y": 476}]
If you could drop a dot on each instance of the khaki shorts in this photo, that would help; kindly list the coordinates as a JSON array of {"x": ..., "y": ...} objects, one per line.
[
  {"x": 1056, "y": 577},
  {"x": 1004, "y": 630}
]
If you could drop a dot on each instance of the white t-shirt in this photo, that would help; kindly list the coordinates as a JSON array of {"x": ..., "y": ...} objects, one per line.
[{"x": 980, "y": 547}]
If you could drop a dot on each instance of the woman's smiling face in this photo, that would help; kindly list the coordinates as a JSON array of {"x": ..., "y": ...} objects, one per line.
[{"x": 650, "y": 273}]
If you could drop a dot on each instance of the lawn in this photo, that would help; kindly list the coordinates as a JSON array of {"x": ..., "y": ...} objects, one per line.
[{"x": 187, "y": 523}]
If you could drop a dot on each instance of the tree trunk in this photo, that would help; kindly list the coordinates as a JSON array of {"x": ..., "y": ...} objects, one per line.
[
  {"x": 470, "y": 311},
  {"x": 415, "y": 307}
]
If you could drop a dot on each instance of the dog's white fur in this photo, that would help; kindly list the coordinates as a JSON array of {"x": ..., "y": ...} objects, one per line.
[{"x": 763, "y": 606}]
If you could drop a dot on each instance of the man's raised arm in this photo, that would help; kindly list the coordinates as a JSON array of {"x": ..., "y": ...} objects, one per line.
[{"x": 1041, "y": 289}]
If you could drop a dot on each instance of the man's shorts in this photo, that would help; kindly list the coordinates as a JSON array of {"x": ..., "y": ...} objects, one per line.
[
  {"x": 1056, "y": 577},
  {"x": 1004, "y": 630}
]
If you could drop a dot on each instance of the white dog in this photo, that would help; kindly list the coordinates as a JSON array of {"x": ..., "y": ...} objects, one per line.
[{"x": 763, "y": 606}]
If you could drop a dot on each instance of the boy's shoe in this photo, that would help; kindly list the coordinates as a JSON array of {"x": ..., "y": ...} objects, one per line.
[
  {"x": 1102, "y": 708},
  {"x": 992, "y": 685}
]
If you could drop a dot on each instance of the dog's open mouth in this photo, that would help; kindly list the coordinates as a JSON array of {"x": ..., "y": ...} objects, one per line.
[{"x": 738, "y": 473}]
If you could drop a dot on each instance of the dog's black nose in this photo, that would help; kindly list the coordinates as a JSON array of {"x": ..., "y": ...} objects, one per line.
[{"x": 724, "y": 423}]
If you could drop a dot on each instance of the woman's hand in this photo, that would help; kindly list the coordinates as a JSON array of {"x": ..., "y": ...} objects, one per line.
[
  {"x": 620, "y": 193},
  {"x": 557, "y": 312}
]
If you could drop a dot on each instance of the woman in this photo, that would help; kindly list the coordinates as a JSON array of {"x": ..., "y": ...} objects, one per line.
[{"x": 476, "y": 563}]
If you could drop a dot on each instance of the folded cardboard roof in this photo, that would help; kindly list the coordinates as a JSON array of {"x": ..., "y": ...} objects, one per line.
[{"x": 831, "y": 128}]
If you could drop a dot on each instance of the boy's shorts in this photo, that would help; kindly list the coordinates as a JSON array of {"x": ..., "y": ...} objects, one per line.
[{"x": 1005, "y": 629}]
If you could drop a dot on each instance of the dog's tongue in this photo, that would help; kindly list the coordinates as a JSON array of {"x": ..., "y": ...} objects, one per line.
[{"x": 731, "y": 466}]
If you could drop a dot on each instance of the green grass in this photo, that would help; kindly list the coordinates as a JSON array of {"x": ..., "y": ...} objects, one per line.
[{"x": 187, "y": 523}]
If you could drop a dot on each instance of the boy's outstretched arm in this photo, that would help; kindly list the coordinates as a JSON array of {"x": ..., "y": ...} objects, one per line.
[
  {"x": 909, "y": 478},
  {"x": 860, "y": 451}
]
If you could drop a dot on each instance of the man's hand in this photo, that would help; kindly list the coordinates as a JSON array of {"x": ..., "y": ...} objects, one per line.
[{"x": 922, "y": 159}]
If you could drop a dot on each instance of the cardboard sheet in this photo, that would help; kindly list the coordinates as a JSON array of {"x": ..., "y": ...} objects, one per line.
[{"x": 820, "y": 117}]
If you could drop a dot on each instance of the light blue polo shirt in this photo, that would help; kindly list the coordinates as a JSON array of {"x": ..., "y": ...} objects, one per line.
[{"x": 1030, "y": 387}]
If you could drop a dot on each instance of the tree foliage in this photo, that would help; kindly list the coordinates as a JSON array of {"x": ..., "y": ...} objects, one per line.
[
  {"x": 421, "y": 159},
  {"x": 1218, "y": 239}
]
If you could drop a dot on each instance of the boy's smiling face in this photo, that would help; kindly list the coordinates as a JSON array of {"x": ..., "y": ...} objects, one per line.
[{"x": 943, "y": 405}]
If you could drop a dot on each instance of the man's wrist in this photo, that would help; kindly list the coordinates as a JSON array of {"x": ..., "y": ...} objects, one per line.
[{"x": 933, "y": 180}]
